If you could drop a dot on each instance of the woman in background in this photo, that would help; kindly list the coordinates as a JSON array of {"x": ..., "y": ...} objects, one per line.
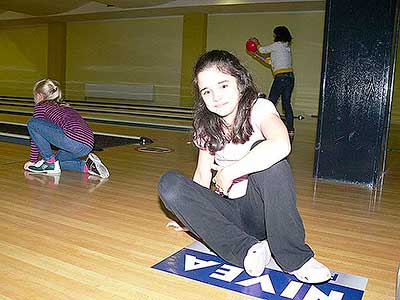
[{"x": 279, "y": 56}]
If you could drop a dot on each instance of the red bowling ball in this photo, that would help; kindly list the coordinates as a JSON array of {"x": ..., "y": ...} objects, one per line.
[{"x": 251, "y": 46}]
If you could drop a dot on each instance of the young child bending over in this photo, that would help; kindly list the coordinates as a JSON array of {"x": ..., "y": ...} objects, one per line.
[{"x": 55, "y": 123}]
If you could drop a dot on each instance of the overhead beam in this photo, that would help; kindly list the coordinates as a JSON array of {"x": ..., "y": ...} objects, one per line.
[{"x": 174, "y": 11}]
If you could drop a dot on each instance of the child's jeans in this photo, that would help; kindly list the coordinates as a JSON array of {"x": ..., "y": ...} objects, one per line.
[{"x": 44, "y": 134}]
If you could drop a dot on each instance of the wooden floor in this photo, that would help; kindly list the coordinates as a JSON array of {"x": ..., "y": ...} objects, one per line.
[{"x": 83, "y": 239}]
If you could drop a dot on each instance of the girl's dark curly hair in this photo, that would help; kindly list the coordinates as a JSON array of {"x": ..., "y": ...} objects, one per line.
[
  {"x": 282, "y": 34},
  {"x": 210, "y": 130}
]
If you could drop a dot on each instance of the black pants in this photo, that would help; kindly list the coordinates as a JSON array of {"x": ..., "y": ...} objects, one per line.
[
  {"x": 231, "y": 226},
  {"x": 283, "y": 86}
]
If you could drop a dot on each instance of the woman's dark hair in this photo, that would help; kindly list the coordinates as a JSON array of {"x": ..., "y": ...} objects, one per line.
[
  {"x": 210, "y": 130},
  {"x": 282, "y": 34}
]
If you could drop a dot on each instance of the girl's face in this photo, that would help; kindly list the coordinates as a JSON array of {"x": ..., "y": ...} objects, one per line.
[{"x": 220, "y": 93}]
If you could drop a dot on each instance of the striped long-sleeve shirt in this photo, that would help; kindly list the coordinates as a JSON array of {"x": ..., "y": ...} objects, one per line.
[{"x": 68, "y": 119}]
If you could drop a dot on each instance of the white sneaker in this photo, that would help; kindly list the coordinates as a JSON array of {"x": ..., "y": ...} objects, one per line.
[
  {"x": 312, "y": 272},
  {"x": 258, "y": 256},
  {"x": 96, "y": 167},
  {"x": 38, "y": 163},
  {"x": 45, "y": 167}
]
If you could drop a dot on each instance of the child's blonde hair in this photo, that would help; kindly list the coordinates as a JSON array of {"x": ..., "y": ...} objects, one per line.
[{"x": 50, "y": 89}]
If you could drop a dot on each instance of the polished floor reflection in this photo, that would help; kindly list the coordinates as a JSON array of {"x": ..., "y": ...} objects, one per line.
[{"x": 78, "y": 237}]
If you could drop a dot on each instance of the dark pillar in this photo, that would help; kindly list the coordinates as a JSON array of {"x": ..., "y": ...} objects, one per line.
[{"x": 356, "y": 90}]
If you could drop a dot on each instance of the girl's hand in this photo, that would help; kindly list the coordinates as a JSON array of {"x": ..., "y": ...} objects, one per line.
[
  {"x": 222, "y": 179},
  {"x": 28, "y": 164},
  {"x": 255, "y": 40}
]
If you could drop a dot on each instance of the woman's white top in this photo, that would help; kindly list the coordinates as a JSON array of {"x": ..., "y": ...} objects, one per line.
[
  {"x": 281, "y": 56},
  {"x": 234, "y": 152}
]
